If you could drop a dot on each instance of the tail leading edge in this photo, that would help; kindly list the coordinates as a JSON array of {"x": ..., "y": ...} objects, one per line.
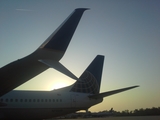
[{"x": 90, "y": 80}]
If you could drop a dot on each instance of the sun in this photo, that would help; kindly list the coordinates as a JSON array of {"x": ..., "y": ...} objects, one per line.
[{"x": 58, "y": 85}]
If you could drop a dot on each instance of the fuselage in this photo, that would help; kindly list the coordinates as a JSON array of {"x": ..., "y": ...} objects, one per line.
[{"x": 43, "y": 104}]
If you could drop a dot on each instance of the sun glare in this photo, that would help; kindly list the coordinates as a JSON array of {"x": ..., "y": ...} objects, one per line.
[{"x": 58, "y": 85}]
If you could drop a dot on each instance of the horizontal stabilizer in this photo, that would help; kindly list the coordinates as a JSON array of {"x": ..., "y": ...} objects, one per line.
[
  {"x": 105, "y": 94},
  {"x": 58, "y": 66}
]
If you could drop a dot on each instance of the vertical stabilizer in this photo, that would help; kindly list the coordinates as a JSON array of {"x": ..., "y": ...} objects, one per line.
[{"x": 90, "y": 80}]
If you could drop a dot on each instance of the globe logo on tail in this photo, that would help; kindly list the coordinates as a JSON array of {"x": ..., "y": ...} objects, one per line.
[{"x": 87, "y": 83}]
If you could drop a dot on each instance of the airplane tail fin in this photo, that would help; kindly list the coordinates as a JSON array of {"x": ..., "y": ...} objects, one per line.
[
  {"x": 59, "y": 40},
  {"x": 90, "y": 80}
]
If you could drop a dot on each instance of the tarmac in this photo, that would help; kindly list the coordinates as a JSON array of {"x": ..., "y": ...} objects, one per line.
[{"x": 118, "y": 118}]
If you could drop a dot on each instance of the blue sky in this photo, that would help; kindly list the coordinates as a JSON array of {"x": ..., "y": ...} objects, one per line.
[{"x": 127, "y": 32}]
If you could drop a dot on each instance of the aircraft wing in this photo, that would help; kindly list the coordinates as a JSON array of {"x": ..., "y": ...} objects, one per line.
[
  {"x": 105, "y": 94},
  {"x": 16, "y": 73},
  {"x": 59, "y": 67}
]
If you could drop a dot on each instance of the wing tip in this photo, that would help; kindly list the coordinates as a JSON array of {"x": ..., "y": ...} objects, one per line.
[{"x": 82, "y": 9}]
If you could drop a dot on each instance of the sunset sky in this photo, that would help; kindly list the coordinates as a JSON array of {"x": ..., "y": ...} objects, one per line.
[{"x": 126, "y": 32}]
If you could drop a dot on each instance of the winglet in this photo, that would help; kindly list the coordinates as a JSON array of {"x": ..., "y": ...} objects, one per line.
[
  {"x": 58, "y": 66},
  {"x": 59, "y": 40}
]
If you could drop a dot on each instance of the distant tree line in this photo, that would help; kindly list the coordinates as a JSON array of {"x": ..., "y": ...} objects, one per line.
[{"x": 139, "y": 112}]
